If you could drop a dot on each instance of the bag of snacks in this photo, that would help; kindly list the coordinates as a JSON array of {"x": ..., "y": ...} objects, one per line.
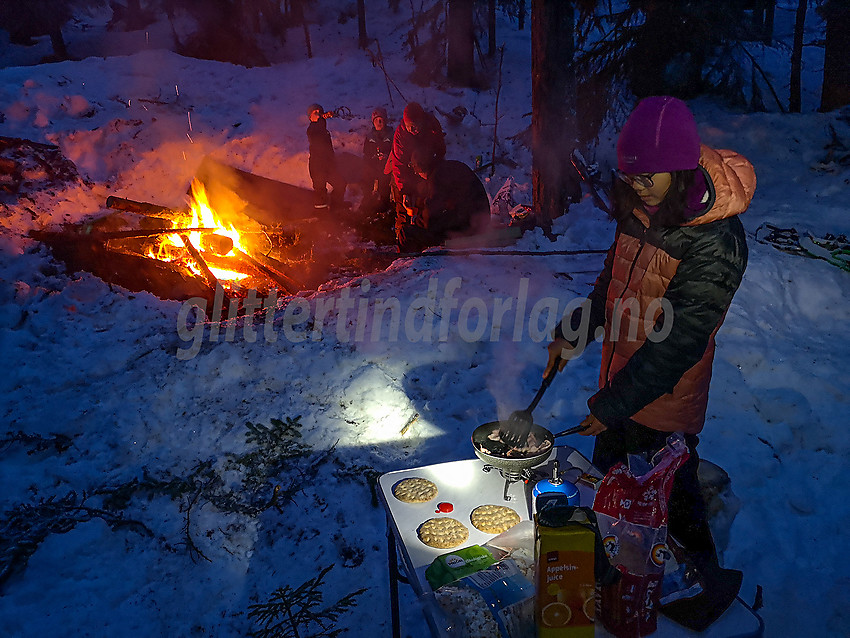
[
  {"x": 496, "y": 602},
  {"x": 631, "y": 511}
]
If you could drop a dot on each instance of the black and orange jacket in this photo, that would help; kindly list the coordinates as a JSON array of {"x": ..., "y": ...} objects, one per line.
[{"x": 696, "y": 265}]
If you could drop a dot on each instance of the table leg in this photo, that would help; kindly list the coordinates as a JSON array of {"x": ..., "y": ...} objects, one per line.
[{"x": 392, "y": 557}]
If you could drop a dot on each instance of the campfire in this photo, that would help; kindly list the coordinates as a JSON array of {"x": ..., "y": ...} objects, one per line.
[
  {"x": 180, "y": 253},
  {"x": 238, "y": 232}
]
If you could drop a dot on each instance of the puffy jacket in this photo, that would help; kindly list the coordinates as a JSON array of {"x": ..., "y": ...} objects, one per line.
[
  {"x": 696, "y": 265},
  {"x": 430, "y": 139},
  {"x": 376, "y": 149}
]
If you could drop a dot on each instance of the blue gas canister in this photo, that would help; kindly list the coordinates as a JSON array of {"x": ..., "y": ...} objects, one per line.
[{"x": 554, "y": 486}]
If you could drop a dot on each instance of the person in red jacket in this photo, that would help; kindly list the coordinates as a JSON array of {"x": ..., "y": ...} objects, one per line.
[
  {"x": 418, "y": 131},
  {"x": 678, "y": 256}
]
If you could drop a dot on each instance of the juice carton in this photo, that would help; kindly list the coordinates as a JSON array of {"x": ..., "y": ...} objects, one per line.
[{"x": 565, "y": 581}]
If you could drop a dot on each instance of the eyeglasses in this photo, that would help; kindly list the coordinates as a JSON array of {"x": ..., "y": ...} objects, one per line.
[{"x": 644, "y": 180}]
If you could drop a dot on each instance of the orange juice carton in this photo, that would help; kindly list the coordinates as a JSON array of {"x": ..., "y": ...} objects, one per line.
[{"x": 565, "y": 581}]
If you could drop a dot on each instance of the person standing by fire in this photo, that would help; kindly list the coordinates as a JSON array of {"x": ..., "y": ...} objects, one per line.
[
  {"x": 377, "y": 146},
  {"x": 322, "y": 161},
  {"x": 679, "y": 241},
  {"x": 419, "y": 131}
]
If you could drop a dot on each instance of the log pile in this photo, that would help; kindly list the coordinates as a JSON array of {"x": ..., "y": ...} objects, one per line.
[{"x": 120, "y": 248}]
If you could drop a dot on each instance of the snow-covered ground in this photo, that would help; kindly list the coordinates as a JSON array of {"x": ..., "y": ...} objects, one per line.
[{"x": 99, "y": 365}]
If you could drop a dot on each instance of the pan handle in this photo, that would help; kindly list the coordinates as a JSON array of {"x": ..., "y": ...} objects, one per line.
[{"x": 574, "y": 430}]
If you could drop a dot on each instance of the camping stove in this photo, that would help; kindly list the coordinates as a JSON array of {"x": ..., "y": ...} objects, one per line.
[{"x": 511, "y": 477}]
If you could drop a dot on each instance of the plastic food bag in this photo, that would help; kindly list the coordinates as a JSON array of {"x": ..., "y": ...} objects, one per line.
[
  {"x": 631, "y": 511},
  {"x": 496, "y": 602}
]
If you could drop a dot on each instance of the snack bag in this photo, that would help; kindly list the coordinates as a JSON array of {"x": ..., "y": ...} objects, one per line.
[
  {"x": 631, "y": 511},
  {"x": 496, "y": 602},
  {"x": 452, "y": 566}
]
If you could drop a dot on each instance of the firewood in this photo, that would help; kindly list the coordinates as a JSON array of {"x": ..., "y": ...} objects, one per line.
[
  {"x": 289, "y": 284},
  {"x": 143, "y": 208},
  {"x": 217, "y": 244},
  {"x": 133, "y": 272},
  {"x": 199, "y": 260}
]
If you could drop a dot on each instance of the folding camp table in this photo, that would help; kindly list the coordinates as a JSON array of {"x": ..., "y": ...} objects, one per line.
[{"x": 468, "y": 484}]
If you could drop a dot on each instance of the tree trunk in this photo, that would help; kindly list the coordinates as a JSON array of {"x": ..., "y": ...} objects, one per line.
[
  {"x": 769, "y": 13},
  {"x": 460, "y": 67},
  {"x": 836, "y": 62},
  {"x": 362, "y": 39},
  {"x": 298, "y": 15},
  {"x": 795, "y": 99},
  {"x": 491, "y": 29},
  {"x": 554, "y": 183},
  {"x": 58, "y": 43}
]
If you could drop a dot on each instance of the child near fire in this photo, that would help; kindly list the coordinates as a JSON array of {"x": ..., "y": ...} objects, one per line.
[
  {"x": 322, "y": 161},
  {"x": 376, "y": 149}
]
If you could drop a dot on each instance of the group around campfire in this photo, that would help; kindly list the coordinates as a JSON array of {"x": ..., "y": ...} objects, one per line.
[{"x": 409, "y": 187}]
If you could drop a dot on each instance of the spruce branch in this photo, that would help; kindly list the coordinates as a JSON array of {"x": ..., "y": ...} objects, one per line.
[
  {"x": 36, "y": 442},
  {"x": 27, "y": 525},
  {"x": 297, "y": 613}
]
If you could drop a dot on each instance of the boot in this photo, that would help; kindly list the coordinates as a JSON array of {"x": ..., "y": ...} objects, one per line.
[{"x": 716, "y": 590}]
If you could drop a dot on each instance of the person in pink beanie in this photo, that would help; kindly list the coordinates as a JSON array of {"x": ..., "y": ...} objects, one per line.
[{"x": 678, "y": 256}]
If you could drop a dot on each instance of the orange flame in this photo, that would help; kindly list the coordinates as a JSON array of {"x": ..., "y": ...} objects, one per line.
[{"x": 202, "y": 216}]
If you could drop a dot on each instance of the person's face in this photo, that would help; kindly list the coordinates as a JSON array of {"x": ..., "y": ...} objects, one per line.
[
  {"x": 379, "y": 123},
  {"x": 315, "y": 115},
  {"x": 411, "y": 127},
  {"x": 650, "y": 187}
]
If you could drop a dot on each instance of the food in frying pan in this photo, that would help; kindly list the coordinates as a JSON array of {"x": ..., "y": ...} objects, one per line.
[{"x": 497, "y": 447}]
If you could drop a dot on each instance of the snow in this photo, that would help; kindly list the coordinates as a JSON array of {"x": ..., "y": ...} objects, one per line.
[{"x": 100, "y": 365}]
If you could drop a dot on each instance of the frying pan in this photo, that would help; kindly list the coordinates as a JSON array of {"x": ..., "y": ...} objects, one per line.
[{"x": 497, "y": 456}]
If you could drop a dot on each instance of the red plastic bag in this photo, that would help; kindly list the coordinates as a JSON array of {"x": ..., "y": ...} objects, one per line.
[{"x": 632, "y": 514}]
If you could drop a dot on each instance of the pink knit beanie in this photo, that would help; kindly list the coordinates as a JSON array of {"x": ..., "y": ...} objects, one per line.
[{"x": 660, "y": 136}]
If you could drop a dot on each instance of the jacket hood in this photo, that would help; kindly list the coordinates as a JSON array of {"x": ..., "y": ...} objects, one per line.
[{"x": 734, "y": 181}]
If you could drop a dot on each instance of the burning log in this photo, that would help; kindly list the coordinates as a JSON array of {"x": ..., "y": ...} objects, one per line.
[
  {"x": 199, "y": 261},
  {"x": 216, "y": 244},
  {"x": 286, "y": 282},
  {"x": 81, "y": 253},
  {"x": 142, "y": 208},
  {"x": 133, "y": 234}
]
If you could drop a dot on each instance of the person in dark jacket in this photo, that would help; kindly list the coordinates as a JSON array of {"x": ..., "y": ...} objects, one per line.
[
  {"x": 322, "y": 161},
  {"x": 678, "y": 256},
  {"x": 419, "y": 131},
  {"x": 377, "y": 146},
  {"x": 451, "y": 202}
]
